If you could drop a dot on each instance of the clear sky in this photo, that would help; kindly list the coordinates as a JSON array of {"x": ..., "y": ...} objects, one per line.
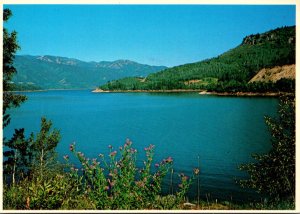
[{"x": 151, "y": 34}]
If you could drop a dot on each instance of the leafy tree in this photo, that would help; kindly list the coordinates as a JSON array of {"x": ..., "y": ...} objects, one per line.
[
  {"x": 274, "y": 172},
  {"x": 10, "y": 46}
]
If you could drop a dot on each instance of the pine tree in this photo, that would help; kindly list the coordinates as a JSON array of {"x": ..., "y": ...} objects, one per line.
[{"x": 10, "y": 46}]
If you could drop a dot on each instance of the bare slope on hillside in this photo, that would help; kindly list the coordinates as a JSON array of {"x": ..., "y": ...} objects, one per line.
[{"x": 275, "y": 74}]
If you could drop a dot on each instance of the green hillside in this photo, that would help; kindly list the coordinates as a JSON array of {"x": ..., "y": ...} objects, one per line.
[
  {"x": 51, "y": 72},
  {"x": 230, "y": 71}
]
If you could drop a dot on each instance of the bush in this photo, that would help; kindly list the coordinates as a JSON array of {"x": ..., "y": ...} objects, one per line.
[
  {"x": 119, "y": 184},
  {"x": 274, "y": 173}
]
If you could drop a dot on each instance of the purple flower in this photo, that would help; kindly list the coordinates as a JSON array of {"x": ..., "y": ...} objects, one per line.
[
  {"x": 112, "y": 154},
  {"x": 169, "y": 160},
  {"x": 72, "y": 147},
  {"x": 128, "y": 142}
]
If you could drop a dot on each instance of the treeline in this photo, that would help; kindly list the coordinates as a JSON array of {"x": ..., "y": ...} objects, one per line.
[
  {"x": 25, "y": 87},
  {"x": 231, "y": 70}
]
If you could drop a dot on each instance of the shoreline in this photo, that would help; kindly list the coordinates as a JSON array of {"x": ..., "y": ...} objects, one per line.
[
  {"x": 54, "y": 89},
  {"x": 200, "y": 92}
]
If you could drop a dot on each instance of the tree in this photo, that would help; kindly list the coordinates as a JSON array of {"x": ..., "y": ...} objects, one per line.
[
  {"x": 10, "y": 46},
  {"x": 17, "y": 158},
  {"x": 34, "y": 153},
  {"x": 43, "y": 145},
  {"x": 274, "y": 172}
]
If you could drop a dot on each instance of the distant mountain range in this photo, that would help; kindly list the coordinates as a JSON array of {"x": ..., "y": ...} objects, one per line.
[{"x": 54, "y": 72}]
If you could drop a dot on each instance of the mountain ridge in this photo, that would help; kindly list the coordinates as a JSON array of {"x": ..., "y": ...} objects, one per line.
[
  {"x": 228, "y": 72},
  {"x": 56, "y": 72}
]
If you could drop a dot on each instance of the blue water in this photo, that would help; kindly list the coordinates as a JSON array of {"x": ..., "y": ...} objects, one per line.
[{"x": 216, "y": 133}]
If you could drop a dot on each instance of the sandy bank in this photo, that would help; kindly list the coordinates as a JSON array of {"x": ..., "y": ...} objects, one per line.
[{"x": 200, "y": 92}]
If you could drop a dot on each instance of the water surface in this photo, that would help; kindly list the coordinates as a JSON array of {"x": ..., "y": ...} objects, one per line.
[{"x": 216, "y": 133}]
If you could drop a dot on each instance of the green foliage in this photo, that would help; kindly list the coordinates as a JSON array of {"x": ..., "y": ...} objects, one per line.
[
  {"x": 25, "y": 87},
  {"x": 119, "y": 184},
  {"x": 17, "y": 159},
  {"x": 100, "y": 184},
  {"x": 54, "y": 190},
  {"x": 10, "y": 46},
  {"x": 228, "y": 72},
  {"x": 43, "y": 145},
  {"x": 24, "y": 155},
  {"x": 274, "y": 173}
]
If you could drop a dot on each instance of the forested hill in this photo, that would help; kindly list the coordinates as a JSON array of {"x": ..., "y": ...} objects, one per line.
[
  {"x": 230, "y": 71},
  {"x": 53, "y": 72}
]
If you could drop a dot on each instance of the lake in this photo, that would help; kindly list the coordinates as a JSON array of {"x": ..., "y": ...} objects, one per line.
[{"x": 213, "y": 132}]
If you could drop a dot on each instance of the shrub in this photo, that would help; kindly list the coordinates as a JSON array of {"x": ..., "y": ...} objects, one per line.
[
  {"x": 274, "y": 173},
  {"x": 119, "y": 184}
]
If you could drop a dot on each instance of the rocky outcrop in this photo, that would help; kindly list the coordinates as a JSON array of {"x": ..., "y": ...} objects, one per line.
[{"x": 275, "y": 74}]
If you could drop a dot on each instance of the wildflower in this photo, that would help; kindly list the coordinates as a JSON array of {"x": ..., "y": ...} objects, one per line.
[
  {"x": 72, "y": 147},
  {"x": 169, "y": 160},
  {"x": 110, "y": 146},
  {"x": 80, "y": 154},
  {"x": 120, "y": 148},
  {"x": 101, "y": 155},
  {"x": 66, "y": 157},
  {"x": 106, "y": 188},
  {"x": 185, "y": 178},
  {"x": 128, "y": 142},
  {"x": 112, "y": 154},
  {"x": 156, "y": 165},
  {"x": 196, "y": 171}
]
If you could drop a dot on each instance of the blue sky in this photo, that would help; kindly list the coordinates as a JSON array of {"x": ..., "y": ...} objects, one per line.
[{"x": 151, "y": 34}]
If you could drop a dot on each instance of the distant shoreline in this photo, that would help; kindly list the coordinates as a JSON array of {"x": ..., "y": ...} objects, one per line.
[
  {"x": 44, "y": 90},
  {"x": 238, "y": 94},
  {"x": 200, "y": 92}
]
